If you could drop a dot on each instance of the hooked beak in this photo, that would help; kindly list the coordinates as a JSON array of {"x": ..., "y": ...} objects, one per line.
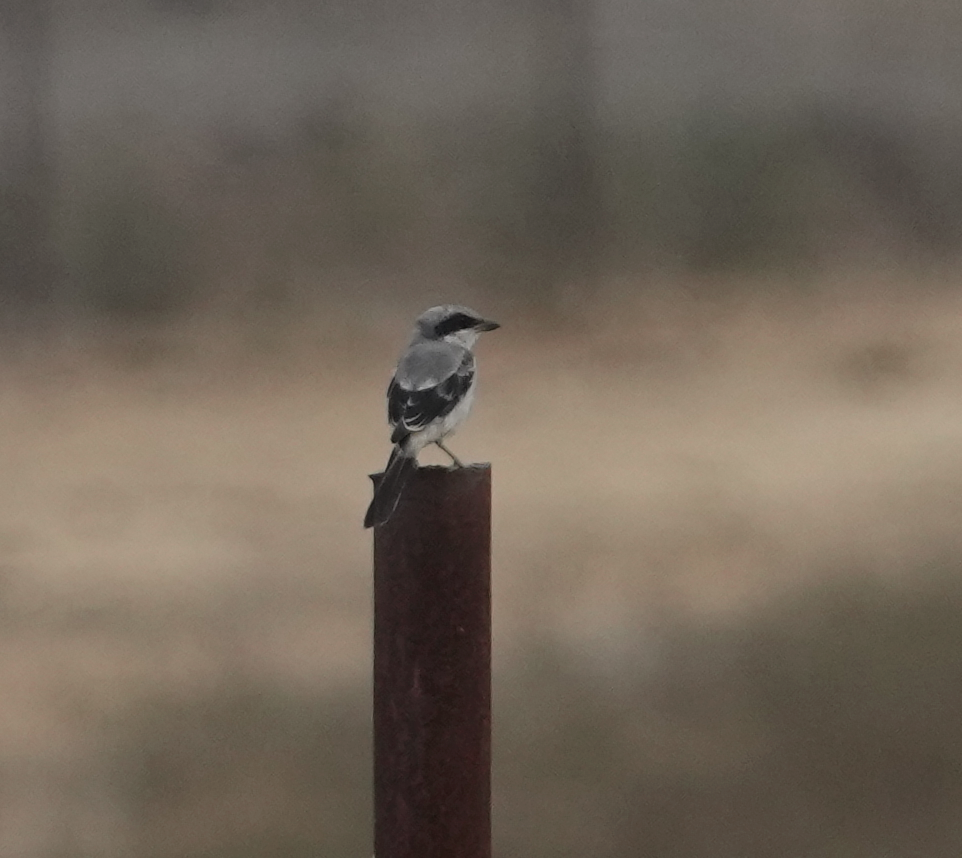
[{"x": 488, "y": 325}]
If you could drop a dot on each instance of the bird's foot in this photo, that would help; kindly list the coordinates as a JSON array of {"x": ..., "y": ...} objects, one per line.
[{"x": 455, "y": 461}]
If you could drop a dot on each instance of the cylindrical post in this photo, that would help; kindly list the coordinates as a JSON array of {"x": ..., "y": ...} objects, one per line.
[{"x": 432, "y": 668}]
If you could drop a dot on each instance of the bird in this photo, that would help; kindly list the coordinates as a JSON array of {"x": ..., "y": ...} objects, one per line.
[{"x": 429, "y": 396}]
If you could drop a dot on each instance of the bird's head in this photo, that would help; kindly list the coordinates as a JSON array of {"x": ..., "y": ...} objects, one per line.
[{"x": 454, "y": 324}]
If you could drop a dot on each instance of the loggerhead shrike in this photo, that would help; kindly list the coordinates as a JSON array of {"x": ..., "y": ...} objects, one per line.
[{"x": 429, "y": 396}]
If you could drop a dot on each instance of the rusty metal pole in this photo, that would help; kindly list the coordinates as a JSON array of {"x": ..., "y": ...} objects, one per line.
[{"x": 432, "y": 668}]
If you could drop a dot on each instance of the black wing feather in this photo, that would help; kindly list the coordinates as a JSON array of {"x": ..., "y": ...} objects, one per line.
[
  {"x": 395, "y": 403},
  {"x": 410, "y": 410}
]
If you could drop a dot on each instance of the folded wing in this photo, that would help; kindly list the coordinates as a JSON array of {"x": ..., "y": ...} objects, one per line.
[{"x": 429, "y": 382}]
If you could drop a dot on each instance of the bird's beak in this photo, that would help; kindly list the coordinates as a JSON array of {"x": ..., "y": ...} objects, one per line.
[{"x": 488, "y": 325}]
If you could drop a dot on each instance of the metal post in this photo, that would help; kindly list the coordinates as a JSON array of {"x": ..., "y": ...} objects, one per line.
[{"x": 432, "y": 668}]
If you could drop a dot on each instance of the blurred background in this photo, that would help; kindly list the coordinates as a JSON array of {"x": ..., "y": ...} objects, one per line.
[{"x": 724, "y": 412}]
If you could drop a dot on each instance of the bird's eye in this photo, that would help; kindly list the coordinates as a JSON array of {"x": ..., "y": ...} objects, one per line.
[{"x": 455, "y": 322}]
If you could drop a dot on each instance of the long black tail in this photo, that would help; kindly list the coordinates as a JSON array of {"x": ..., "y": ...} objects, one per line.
[{"x": 388, "y": 493}]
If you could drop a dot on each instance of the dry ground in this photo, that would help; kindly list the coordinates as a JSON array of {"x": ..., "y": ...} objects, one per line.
[{"x": 175, "y": 505}]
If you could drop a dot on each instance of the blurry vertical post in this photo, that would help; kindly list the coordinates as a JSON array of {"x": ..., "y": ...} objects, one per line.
[
  {"x": 569, "y": 205},
  {"x": 432, "y": 668},
  {"x": 28, "y": 269}
]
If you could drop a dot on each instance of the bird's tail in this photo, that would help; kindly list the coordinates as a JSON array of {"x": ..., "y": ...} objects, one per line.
[{"x": 388, "y": 492}]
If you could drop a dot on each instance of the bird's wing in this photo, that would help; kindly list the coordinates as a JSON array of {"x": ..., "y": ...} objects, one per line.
[{"x": 429, "y": 381}]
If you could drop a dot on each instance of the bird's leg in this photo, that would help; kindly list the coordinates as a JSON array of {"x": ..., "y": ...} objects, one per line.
[{"x": 454, "y": 458}]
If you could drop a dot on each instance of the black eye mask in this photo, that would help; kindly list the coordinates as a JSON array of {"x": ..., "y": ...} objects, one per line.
[{"x": 457, "y": 322}]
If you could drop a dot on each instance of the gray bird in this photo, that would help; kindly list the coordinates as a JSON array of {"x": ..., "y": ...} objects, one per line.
[{"x": 429, "y": 396}]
